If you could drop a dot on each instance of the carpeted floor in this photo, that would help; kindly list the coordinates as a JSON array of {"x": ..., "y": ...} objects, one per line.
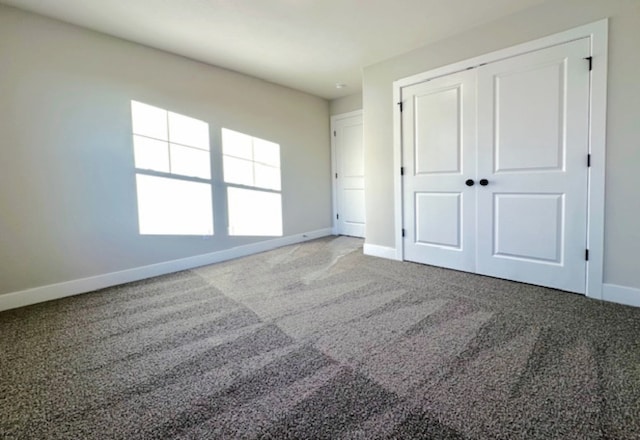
[{"x": 317, "y": 341}]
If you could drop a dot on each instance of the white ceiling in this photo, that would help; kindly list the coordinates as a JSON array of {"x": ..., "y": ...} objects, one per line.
[{"x": 308, "y": 45}]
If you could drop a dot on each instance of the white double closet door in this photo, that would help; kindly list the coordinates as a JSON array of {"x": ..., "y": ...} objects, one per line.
[{"x": 496, "y": 175}]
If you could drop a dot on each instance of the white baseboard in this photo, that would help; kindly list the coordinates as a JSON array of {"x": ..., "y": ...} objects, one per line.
[
  {"x": 620, "y": 294},
  {"x": 74, "y": 287},
  {"x": 380, "y": 251},
  {"x": 610, "y": 292}
]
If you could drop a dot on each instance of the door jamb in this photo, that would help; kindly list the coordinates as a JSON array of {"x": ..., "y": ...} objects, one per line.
[
  {"x": 334, "y": 165},
  {"x": 597, "y": 33}
]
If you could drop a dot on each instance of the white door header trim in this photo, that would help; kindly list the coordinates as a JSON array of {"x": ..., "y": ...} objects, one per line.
[{"x": 587, "y": 31}]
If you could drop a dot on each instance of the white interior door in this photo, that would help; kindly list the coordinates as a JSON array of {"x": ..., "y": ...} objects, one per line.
[
  {"x": 439, "y": 156},
  {"x": 518, "y": 128},
  {"x": 533, "y": 145},
  {"x": 349, "y": 178}
]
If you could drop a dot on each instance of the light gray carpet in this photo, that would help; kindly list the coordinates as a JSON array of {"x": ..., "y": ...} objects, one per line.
[{"x": 317, "y": 341}]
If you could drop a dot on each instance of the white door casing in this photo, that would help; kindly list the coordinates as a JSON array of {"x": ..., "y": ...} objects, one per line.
[
  {"x": 439, "y": 152},
  {"x": 348, "y": 153},
  {"x": 524, "y": 143}
]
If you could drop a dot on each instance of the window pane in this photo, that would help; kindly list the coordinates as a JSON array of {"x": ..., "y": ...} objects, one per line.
[
  {"x": 151, "y": 154},
  {"x": 255, "y": 213},
  {"x": 149, "y": 121},
  {"x": 266, "y": 152},
  {"x": 236, "y": 144},
  {"x": 189, "y": 161},
  {"x": 267, "y": 177},
  {"x": 173, "y": 207},
  {"x": 238, "y": 171},
  {"x": 188, "y": 131}
]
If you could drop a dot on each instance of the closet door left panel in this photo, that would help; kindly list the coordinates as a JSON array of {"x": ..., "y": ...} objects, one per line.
[{"x": 438, "y": 155}]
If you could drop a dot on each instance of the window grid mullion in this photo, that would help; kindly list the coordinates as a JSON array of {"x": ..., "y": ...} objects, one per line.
[
  {"x": 253, "y": 188},
  {"x": 174, "y": 143},
  {"x": 253, "y": 161},
  {"x": 172, "y": 176},
  {"x": 169, "y": 144}
]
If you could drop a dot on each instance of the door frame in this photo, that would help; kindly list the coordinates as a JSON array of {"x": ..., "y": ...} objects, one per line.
[
  {"x": 334, "y": 165},
  {"x": 597, "y": 33}
]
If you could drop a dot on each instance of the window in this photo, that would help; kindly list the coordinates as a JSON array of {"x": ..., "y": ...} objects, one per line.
[
  {"x": 173, "y": 172},
  {"x": 252, "y": 173}
]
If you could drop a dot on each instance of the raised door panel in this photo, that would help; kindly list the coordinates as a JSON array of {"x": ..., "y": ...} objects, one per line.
[
  {"x": 438, "y": 219},
  {"x": 351, "y": 149},
  {"x": 437, "y": 131},
  {"x": 353, "y": 206},
  {"x": 529, "y": 227},
  {"x": 530, "y": 118}
]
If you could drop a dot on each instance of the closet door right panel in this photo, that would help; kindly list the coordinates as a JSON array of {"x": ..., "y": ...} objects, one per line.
[{"x": 532, "y": 151}]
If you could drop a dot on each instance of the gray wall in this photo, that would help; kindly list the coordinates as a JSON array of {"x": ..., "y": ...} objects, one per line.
[
  {"x": 622, "y": 234},
  {"x": 345, "y": 104},
  {"x": 67, "y": 185}
]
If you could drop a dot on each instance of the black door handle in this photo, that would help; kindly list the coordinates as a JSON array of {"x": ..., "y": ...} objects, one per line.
[
  {"x": 484, "y": 182},
  {"x": 469, "y": 182}
]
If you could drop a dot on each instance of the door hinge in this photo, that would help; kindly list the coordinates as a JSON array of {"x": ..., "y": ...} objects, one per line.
[
  {"x": 336, "y": 175},
  {"x": 590, "y": 59},
  {"x": 402, "y": 171},
  {"x": 337, "y": 216},
  {"x": 403, "y": 232},
  {"x": 334, "y": 133},
  {"x": 588, "y": 160},
  {"x": 586, "y": 254},
  {"x": 400, "y": 105}
]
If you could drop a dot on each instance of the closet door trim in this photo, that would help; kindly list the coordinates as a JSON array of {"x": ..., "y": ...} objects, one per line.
[{"x": 597, "y": 33}]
